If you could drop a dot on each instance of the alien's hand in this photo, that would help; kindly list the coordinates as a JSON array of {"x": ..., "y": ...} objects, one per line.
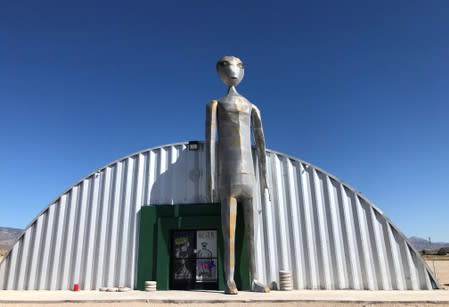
[
  {"x": 266, "y": 194},
  {"x": 212, "y": 195},
  {"x": 210, "y": 189},
  {"x": 265, "y": 189}
]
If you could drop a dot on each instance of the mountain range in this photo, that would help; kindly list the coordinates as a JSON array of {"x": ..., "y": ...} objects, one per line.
[
  {"x": 8, "y": 236},
  {"x": 420, "y": 244}
]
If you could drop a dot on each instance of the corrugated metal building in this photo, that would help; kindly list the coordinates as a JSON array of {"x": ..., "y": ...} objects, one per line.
[{"x": 326, "y": 233}]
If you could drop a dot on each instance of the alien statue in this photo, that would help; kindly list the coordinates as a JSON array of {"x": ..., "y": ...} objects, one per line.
[{"x": 232, "y": 116}]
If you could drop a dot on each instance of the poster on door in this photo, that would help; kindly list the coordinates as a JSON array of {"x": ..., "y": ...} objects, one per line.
[
  {"x": 183, "y": 252},
  {"x": 206, "y": 254}
]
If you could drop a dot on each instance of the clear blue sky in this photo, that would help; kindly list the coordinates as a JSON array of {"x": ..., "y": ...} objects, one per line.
[{"x": 358, "y": 88}]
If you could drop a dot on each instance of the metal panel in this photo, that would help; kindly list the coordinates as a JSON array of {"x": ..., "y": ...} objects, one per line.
[{"x": 326, "y": 233}]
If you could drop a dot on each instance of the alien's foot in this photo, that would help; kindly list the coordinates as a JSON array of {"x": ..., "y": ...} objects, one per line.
[
  {"x": 257, "y": 286},
  {"x": 230, "y": 287}
]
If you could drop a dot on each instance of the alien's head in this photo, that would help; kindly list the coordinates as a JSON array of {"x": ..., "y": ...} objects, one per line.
[{"x": 231, "y": 70}]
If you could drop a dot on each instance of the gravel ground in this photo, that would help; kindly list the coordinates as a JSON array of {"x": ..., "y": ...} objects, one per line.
[
  {"x": 306, "y": 304},
  {"x": 2, "y": 253},
  {"x": 341, "y": 298},
  {"x": 441, "y": 270}
]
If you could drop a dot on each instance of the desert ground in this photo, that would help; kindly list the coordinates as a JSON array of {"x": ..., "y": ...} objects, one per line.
[
  {"x": 2, "y": 253},
  {"x": 249, "y": 304},
  {"x": 440, "y": 267}
]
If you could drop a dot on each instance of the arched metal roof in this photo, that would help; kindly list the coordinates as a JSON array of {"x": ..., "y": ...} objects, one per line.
[{"x": 325, "y": 232}]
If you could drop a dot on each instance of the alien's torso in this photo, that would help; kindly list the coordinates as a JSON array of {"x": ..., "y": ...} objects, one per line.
[{"x": 234, "y": 136}]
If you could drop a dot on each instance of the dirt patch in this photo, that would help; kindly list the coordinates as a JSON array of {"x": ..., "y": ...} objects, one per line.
[
  {"x": 441, "y": 270},
  {"x": 248, "y": 304},
  {"x": 2, "y": 253}
]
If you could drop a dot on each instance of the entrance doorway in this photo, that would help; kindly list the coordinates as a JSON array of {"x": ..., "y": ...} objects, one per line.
[
  {"x": 194, "y": 259},
  {"x": 157, "y": 251}
]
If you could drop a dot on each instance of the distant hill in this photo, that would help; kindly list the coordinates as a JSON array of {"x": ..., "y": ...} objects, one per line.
[
  {"x": 8, "y": 236},
  {"x": 420, "y": 244}
]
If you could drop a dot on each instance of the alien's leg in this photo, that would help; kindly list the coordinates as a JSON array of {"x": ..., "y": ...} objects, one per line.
[
  {"x": 228, "y": 222},
  {"x": 248, "y": 210}
]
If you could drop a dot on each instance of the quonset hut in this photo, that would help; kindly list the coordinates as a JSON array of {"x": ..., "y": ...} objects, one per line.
[{"x": 146, "y": 217}]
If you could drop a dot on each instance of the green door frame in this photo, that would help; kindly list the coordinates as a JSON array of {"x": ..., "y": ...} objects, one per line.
[{"x": 156, "y": 224}]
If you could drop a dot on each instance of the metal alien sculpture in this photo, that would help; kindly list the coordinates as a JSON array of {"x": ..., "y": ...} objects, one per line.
[{"x": 232, "y": 116}]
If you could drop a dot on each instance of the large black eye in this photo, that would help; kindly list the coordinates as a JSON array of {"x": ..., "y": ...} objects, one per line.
[{"x": 224, "y": 63}]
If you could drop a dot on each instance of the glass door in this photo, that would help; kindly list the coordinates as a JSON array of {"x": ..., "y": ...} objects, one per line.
[{"x": 194, "y": 260}]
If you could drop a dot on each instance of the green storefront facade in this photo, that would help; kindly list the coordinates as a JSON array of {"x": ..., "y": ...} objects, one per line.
[{"x": 157, "y": 225}]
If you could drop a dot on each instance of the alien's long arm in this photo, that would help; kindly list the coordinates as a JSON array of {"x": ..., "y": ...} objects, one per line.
[
  {"x": 211, "y": 129},
  {"x": 259, "y": 138}
]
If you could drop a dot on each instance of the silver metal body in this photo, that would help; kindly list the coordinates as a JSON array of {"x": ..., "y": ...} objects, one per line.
[
  {"x": 232, "y": 117},
  {"x": 323, "y": 230}
]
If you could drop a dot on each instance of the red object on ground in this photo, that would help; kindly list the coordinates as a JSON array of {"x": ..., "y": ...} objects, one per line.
[{"x": 76, "y": 287}]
